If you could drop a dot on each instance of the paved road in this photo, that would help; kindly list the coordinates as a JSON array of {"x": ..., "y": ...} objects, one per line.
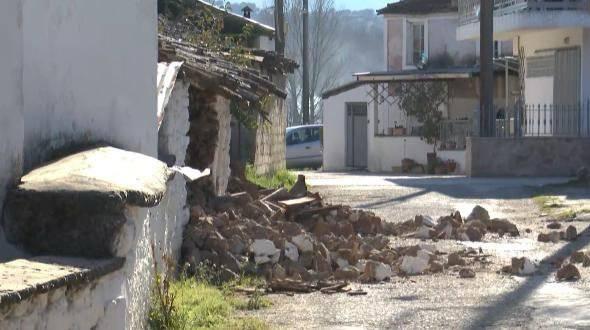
[{"x": 443, "y": 300}]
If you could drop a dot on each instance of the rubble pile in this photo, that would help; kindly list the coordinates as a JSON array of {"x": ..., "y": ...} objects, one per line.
[
  {"x": 289, "y": 235},
  {"x": 301, "y": 244},
  {"x": 473, "y": 228}
]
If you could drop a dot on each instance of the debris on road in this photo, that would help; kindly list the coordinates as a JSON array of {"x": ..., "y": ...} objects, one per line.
[
  {"x": 301, "y": 244},
  {"x": 474, "y": 228},
  {"x": 570, "y": 234}
]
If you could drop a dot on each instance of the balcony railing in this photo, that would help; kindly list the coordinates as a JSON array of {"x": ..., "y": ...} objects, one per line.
[
  {"x": 469, "y": 9},
  {"x": 544, "y": 120}
]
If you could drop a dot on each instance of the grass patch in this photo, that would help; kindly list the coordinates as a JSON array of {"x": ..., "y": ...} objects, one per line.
[
  {"x": 282, "y": 178},
  {"x": 548, "y": 203},
  {"x": 205, "y": 301},
  {"x": 554, "y": 207},
  {"x": 201, "y": 305}
]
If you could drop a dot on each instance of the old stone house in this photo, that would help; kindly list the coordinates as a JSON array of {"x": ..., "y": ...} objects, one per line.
[
  {"x": 257, "y": 140},
  {"x": 217, "y": 90}
]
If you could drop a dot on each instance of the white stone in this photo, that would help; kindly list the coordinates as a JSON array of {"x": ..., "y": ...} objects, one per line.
[
  {"x": 342, "y": 263},
  {"x": 291, "y": 251},
  {"x": 413, "y": 265},
  {"x": 383, "y": 272},
  {"x": 528, "y": 268},
  {"x": 361, "y": 264},
  {"x": 265, "y": 251},
  {"x": 303, "y": 242},
  {"x": 428, "y": 221},
  {"x": 423, "y": 232}
]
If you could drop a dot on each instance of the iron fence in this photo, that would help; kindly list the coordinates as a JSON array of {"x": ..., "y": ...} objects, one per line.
[
  {"x": 454, "y": 133},
  {"x": 543, "y": 120}
]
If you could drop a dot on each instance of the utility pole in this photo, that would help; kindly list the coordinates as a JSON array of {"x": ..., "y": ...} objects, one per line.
[
  {"x": 280, "y": 27},
  {"x": 487, "y": 117},
  {"x": 305, "y": 64}
]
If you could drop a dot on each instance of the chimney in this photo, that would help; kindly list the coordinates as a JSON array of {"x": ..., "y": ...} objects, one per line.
[{"x": 247, "y": 11}]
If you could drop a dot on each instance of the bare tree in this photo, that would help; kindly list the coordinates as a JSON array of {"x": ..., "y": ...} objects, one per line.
[{"x": 325, "y": 62}]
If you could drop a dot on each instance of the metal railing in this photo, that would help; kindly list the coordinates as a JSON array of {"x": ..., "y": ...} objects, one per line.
[
  {"x": 454, "y": 133},
  {"x": 538, "y": 120},
  {"x": 469, "y": 9}
]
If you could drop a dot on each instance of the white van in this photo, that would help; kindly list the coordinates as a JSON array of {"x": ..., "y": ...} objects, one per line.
[{"x": 304, "y": 146}]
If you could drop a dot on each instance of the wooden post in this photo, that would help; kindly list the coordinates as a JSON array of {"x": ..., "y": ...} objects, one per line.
[{"x": 280, "y": 27}]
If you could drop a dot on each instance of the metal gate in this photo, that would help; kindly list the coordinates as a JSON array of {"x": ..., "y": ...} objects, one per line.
[
  {"x": 356, "y": 135},
  {"x": 566, "y": 88}
]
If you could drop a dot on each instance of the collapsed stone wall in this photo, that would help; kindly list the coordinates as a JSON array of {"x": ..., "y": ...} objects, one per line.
[
  {"x": 210, "y": 135},
  {"x": 269, "y": 155}
]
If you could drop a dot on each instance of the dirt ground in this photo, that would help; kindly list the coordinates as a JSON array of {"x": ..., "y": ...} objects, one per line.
[{"x": 491, "y": 299}]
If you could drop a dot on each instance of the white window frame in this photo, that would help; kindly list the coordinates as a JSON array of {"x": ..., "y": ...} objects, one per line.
[{"x": 423, "y": 21}]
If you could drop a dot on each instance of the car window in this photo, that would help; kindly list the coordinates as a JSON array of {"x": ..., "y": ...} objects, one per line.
[
  {"x": 295, "y": 137},
  {"x": 314, "y": 135},
  {"x": 304, "y": 135}
]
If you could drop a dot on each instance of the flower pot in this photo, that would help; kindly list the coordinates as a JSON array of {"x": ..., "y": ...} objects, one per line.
[
  {"x": 399, "y": 131},
  {"x": 451, "y": 167},
  {"x": 441, "y": 170}
]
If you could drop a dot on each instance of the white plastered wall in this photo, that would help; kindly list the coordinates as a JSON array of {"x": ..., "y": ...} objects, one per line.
[
  {"x": 384, "y": 152},
  {"x": 539, "y": 90},
  {"x": 89, "y": 75},
  {"x": 334, "y": 119},
  {"x": 11, "y": 104}
]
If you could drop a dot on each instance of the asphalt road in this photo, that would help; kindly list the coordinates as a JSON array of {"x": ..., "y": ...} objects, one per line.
[{"x": 491, "y": 300}]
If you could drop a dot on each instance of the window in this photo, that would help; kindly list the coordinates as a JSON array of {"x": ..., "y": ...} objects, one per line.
[
  {"x": 415, "y": 42},
  {"x": 304, "y": 135}
]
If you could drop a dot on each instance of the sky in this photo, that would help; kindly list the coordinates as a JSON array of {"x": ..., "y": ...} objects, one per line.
[{"x": 345, "y": 4}]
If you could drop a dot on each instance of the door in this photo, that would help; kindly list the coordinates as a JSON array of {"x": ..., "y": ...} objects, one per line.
[
  {"x": 356, "y": 135},
  {"x": 566, "y": 91}
]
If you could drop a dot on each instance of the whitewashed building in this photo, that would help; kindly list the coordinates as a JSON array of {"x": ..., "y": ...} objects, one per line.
[{"x": 363, "y": 124}]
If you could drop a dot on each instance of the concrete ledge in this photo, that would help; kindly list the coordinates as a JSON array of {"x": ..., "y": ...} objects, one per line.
[
  {"x": 22, "y": 278},
  {"x": 102, "y": 175},
  {"x": 534, "y": 156},
  {"x": 75, "y": 206}
]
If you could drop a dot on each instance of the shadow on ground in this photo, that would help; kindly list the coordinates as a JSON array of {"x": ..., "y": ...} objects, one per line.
[{"x": 513, "y": 301}]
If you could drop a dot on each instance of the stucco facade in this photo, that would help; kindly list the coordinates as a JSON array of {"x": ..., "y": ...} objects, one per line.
[
  {"x": 440, "y": 36},
  {"x": 384, "y": 153},
  {"x": 11, "y": 102},
  {"x": 88, "y": 75},
  {"x": 82, "y": 72}
]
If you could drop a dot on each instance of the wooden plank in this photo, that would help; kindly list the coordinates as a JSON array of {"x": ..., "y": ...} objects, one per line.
[{"x": 297, "y": 201}]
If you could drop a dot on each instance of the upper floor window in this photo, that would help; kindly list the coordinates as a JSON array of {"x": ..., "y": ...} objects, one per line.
[{"x": 416, "y": 42}]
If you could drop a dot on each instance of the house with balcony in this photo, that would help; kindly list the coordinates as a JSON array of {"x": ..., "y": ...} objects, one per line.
[
  {"x": 552, "y": 40},
  {"x": 364, "y": 125},
  {"x": 548, "y": 126}
]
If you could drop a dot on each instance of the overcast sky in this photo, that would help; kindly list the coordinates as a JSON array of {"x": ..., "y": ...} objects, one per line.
[{"x": 343, "y": 4}]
